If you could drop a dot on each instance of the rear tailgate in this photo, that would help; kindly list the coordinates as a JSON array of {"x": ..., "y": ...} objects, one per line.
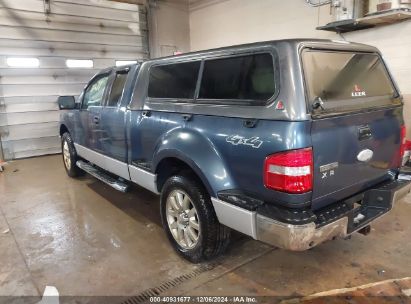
[{"x": 356, "y": 125}]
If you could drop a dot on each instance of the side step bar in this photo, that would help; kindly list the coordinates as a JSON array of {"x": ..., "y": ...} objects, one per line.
[{"x": 101, "y": 175}]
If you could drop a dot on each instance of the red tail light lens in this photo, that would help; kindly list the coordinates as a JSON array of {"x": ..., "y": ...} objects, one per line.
[
  {"x": 290, "y": 171},
  {"x": 403, "y": 143}
]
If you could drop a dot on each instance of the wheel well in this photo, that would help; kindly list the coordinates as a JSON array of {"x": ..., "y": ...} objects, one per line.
[
  {"x": 63, "y": 129},
  {"x": 172, "y": 166}
]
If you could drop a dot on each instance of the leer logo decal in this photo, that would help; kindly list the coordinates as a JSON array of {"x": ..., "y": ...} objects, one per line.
[{"x": 358, "y": 92}]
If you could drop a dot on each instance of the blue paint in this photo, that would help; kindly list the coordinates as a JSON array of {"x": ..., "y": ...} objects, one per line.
[{"x": 214, "y": 142}]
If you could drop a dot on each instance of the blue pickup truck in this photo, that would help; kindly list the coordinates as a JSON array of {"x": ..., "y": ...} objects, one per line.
[{"x": 292, "y": 142}]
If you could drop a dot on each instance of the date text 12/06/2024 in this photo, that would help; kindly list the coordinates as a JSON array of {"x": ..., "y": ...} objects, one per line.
[{"x": 198, "y": 299}]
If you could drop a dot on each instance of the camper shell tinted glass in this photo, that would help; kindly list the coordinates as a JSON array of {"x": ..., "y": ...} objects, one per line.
[
  {"x": 344, "y": 81},
  {"x": 247, "y": 77},
  {"x": 174, "y": 81}
]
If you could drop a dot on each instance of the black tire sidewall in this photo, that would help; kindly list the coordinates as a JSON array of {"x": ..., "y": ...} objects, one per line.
[
  {"x": 74, "y": 170},
  {"x": 199, "y": 199}
]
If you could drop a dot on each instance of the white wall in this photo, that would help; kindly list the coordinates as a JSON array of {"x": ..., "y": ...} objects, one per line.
[
  {"x": 229, "y": 22},
  {"x": 394, "y": 41},
  {"x": 169, "y": 27}
]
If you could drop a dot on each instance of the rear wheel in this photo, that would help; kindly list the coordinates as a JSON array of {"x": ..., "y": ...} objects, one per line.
[
  {"x": 190, "y": 221},
  {"x": 70, "y": 156}
]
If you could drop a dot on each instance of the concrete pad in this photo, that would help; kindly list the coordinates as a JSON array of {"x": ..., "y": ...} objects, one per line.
[
  {"x": 87, "y": 239},
  {"x": 15, "y": 277},
  {"x": 384, "y": 254}
]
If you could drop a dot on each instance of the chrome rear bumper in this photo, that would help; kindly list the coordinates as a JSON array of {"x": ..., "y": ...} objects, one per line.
[
  {"x": 303, "y": 237},
  {"x": 298, "y": 237}
]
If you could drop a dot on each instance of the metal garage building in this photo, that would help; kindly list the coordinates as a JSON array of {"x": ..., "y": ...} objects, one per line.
[{"x": 36, "y": 39}]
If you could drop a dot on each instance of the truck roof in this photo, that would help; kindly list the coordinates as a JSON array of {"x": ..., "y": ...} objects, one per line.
[{"x": 294, "y": 43}]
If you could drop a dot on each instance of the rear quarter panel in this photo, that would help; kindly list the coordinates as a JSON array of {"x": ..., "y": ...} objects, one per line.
[
  {"x": 217, "y": 151},
  {"x": 240, "y": 152}
]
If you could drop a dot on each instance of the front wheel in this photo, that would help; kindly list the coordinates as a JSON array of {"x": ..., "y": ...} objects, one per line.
[
  {"x": 190, "y": 221},
  {"x": 69, "y": 156}
]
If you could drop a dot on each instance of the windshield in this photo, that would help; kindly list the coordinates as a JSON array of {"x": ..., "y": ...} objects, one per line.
[{"x": 347, "y": 81}]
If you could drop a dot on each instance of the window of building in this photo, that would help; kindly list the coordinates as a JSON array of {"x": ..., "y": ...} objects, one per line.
[
  {"x": 23, "y": 62},
  {"x": 125, "y": 62},
  {"x": 79, "y": 63}
]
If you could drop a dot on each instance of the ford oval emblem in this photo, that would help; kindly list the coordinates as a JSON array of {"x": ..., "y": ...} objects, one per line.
[{"x": 365, "y": 155}]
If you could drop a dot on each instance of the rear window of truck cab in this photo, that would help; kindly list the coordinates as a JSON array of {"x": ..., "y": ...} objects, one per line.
[
  {"x": 230, "y": 79},
  {"x": 344, "y": 81}
]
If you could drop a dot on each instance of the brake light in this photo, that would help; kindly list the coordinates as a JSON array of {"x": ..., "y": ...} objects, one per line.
[
  {"x": 402, "y": 144},
  {"x": 407, "y": 152},
  {"x": 290, "y": 171}
]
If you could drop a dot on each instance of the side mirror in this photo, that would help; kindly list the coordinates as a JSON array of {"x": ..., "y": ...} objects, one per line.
[{"x": 66, "y": 102}]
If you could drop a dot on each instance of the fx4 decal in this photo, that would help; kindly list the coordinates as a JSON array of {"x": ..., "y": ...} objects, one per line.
[{"x": 236, "y": 140}]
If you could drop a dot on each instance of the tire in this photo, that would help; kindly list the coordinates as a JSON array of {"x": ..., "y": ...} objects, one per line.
[
  {"x": 70, "y": 156},
  {"x": 212, "y": 237}
]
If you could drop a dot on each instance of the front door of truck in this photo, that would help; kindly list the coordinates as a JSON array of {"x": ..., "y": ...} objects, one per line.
[
  {"x": 112, "y": 137},
  {"x": 91, "y": 108}
]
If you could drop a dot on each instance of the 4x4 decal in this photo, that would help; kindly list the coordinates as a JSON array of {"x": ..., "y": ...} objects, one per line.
[{"x": 236, "y": 140}]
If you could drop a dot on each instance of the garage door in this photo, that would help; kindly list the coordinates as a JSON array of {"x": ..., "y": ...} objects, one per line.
[{"x": 52, "y": 48}]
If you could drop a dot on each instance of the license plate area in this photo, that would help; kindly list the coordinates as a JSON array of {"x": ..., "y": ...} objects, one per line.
[
  {"x": 362, "y": 216},
  {"x": 361, "y": 209}
]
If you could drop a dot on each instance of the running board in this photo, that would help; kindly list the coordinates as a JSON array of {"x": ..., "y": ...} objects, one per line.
[{"x": 101, "y": 175}]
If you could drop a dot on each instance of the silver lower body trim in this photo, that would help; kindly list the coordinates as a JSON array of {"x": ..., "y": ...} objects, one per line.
[
  {"x": 143, "y": 178},
  {"x": 139, "y": 176},
  {"x": 107, "y": 163},
  {"x": 283, "y": 235},
  {"x": 235, "y": 217}
]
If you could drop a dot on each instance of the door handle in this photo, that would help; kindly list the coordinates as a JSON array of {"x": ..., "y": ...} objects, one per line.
[
  {"x": 364, "y": 132},
  {"x": 146, "y": 113},
  {"x": 187, "y": 117},
  {"x": 250, "y": 123},
  {"x": 96, "y": 120}
]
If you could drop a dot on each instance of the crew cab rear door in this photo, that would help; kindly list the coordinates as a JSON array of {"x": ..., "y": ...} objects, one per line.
[{"x": 356, "y": 122}]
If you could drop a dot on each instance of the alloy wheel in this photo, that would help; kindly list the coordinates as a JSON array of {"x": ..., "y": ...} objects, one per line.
[
  {"x": 66, "y": 155},
  {"x": 182, "y": 219}
]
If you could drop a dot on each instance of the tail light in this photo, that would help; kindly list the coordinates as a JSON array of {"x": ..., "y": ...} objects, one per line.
[
  {"x": 403, "y": 145},
  {"x": 290, "y": 171},
  {"x": 407, "y": 152}
]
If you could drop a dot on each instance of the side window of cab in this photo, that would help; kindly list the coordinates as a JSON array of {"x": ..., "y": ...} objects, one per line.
[
  {"x": 94, "y": 94},
  {"x": 116, "y": 91}
]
